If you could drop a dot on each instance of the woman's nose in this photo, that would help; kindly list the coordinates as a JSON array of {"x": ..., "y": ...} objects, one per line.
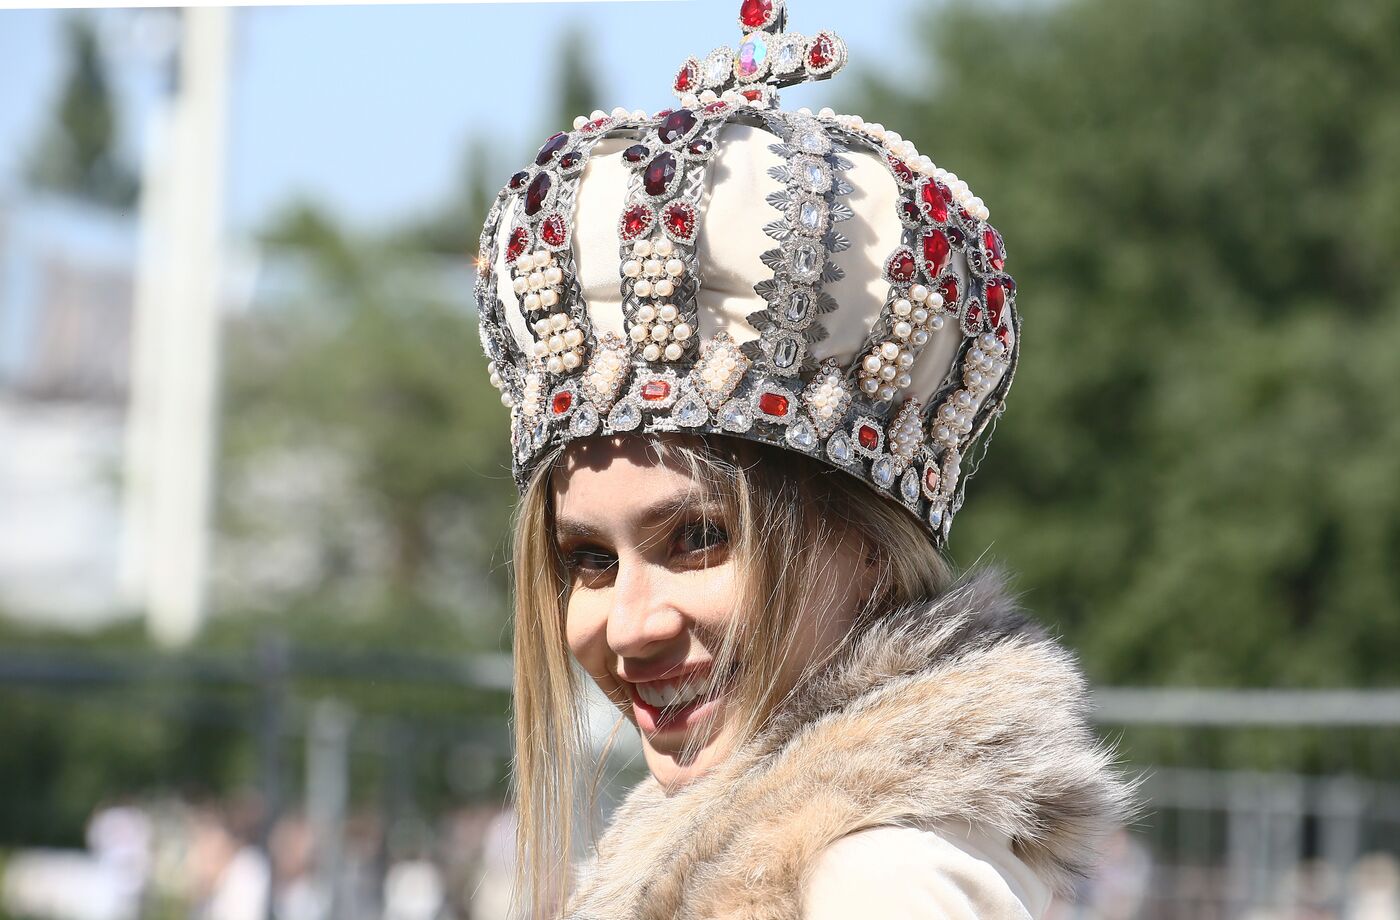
[{"x": 644, "y": 617}]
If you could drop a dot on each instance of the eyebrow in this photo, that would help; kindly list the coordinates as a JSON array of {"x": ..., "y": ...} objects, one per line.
[{"x": 666, "y": 508}]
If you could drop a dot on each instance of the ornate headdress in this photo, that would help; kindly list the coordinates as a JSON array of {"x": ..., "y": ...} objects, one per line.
[{"x": 808, "y": 281}]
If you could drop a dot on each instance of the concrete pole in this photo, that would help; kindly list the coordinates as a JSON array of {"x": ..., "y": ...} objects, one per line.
[{"x": 173, "y": 414}]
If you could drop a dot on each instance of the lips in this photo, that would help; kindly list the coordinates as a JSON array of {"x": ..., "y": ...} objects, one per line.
[{"x": 653, "y": 719}]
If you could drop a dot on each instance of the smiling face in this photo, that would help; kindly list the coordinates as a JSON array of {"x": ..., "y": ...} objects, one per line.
[{"x": 654, "y": 562}]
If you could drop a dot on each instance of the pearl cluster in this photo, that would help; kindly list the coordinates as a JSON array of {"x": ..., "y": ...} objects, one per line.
[
  {"x": 983, "y": 367},
  {"x": 734, "y": 97},
  {"x": 907, "y": 432},
  {"x": 539, "y": 280},
  {"x": 655, "y": 269},
  {"x": 722, "y": 365},
  {"x": 560, "y": 344},
  {"x": 827, "y": 399},
  {"x": 606, "y": 371},
  {"x": 918, "y": 162},
  {"x": 914, "y": 319},
  {"x": 495, "y": 371}
]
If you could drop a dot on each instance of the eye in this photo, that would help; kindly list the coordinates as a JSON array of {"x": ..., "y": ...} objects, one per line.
[
  {"x": 588, "y": 561},
  {"x": 700, "y": 537}
]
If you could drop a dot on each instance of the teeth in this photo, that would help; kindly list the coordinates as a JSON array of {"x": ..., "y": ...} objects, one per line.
[{"x": 664, "y": 696}]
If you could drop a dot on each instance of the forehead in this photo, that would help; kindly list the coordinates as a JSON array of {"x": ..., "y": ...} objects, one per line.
[{"x": 610, "y": 476}]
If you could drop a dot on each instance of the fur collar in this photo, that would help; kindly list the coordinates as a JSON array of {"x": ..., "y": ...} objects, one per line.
[{"x": 955, "y": 708}]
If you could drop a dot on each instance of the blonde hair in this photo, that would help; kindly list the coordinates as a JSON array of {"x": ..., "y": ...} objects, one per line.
[{"x": 783, "y": 511}]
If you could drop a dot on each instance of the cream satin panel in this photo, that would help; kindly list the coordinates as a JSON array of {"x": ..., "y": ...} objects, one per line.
[{"x": 734, "y": 211}]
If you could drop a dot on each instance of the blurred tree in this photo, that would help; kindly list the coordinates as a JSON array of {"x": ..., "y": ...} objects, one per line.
[
  {"x": 1197, "y": 477},
  {"x": 577, "y": 80},
  {"x": 366, "y": 391},
  {"x": 78, "y": 154}
]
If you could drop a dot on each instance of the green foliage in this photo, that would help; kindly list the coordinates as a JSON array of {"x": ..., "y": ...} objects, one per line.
[
  {"x": 78, "y": 155},
  {"x": 1196, "y": 477}
]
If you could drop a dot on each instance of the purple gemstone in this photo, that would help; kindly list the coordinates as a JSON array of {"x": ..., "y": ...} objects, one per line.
[
  {"x": 659, "y": 175},
  {"x": 536, "y": 194},
  {"x": 677, "y": 125},
  {"x": 517, "y": 181},
  {"x": 550, "y": 148},
  {"x": 570, "y": 160},
  {"x": 636, "y": 153},
  {"x": 701, "y": 146}
]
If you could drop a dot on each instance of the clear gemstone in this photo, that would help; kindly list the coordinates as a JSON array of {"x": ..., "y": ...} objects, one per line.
[
  {"x": 810, "y": 216},
  {"x": 816, "y": 177},
  {"x": 802, "y": 435},
  {"x": 735, "y": 416},
  {"x": 935, "y": 517},
  {"x": 625, "y": 416},
  {"x": 691, "y": 413},
  {"x": 804, "y": 260},
  {"x": 909, "y": 486},
  {"x": 814, "y": 142},
  {"x": 883, "y": 472},
  {"x": 799, "y": 307},
  {"x": 785, "y": 354},
  {"x": 788, "y": 57},
  {"x": 584, "y": 422},
  {"x": 717, "y": 67},
  {"x": 838, "y": 447}
]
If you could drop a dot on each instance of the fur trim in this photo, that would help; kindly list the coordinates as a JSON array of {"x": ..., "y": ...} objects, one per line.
[{"x": 953, "y": 709}]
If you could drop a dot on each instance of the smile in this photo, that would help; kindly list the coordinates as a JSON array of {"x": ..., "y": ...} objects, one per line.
[{"x": 678, "y": 704}]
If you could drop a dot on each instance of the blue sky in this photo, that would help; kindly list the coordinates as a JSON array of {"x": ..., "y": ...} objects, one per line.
[{"x": 367, "y": 109}]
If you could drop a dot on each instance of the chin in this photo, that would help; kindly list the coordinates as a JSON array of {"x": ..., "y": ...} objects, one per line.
[{"x": 673, "y": 773}]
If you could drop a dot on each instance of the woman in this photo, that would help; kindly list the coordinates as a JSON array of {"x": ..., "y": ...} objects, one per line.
[{"x": 745, "y": 351}]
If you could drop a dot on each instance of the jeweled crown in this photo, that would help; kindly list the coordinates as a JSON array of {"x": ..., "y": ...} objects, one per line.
[{"x": 805, "y": 280}]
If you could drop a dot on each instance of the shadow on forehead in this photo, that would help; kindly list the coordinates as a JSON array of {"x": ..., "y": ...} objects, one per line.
[{"x": 598, "y": 453}]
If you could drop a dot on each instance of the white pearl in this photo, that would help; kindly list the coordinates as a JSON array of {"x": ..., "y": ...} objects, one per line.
[
  {"x": 619, "y": 112},
  {"x": 708, "y": 96},
  {"x": 532, "y": 302},
  {"x": 664, "y": 248},
  {"x": 921, "y": 337},
  {"x": 573, "y": 338},
  {"x": 643, "y": 288},
  {"x": 870, "y": 385},
  {"x": 536, "y": 280},
  {"x": 580, "y": 121},
  {"x": 918, "y": 292},
  {"x": 597, "y": 114},
  {"x": 652, "y": 352},
  {"x": 572, "y": 361},
  {"x": 555, "y": 365},
  {"x": 888, "y": 372},
  {"x": 639, "y": 333},
  {"x": 548, "y": 297},
  {"x": 936, "y": 323},
  {"x": 669, "y": 312},
  {"x": 673, "y": 352},
  {"x": 639, "y": 115},
  {"x": 642, "y": 248},
  {"x": 660, "y": 332},
  {"x": 893, "y": 138},
  {"x": 652, "y": 267},
  {"x": 542, "y": 327},
  {"x": 872, "y": 364},
  {"x": 541, "y": 349},
  {"x": 827, "y": 113},
  {"x": 556, "y": 343},
  {"x": 920, "y": 316},
  {"x": 906, "y": 360},
  {"x": 675, "y": 268},
  {"x": 903, "y": 330},
  {"x": 682, "y": 332},
  {"x": 632, "y": 268},
  {"x": 902, "y": 307},
  {"x": 690, "y": 101},
  {"x": 542, "y": 258},
  {"x": 507, "y": 401},
  {"x": 553, "y": 275},
  {"x": 887, "y": 393},
  {"x": 903, "y": 380},
  {"x": 560, "y": 321},
  {"x": 664, "y": 288},
  {"x": 889, "y": 351},
  {"x": 521, "y": 285},
  {"x": 647, "y": 313}
]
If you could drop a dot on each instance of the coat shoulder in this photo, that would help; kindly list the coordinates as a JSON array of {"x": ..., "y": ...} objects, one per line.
[{"x": 926, "y": 872}]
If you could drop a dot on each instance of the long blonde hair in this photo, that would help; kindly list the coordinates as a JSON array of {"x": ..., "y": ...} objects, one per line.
[{"x": 782, "y": 511}]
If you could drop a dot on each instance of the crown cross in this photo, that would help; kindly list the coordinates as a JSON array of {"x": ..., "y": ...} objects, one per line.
[{"x": 770, "y": 58}]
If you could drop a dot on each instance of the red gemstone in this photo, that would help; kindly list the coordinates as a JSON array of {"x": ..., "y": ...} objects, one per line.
[
  {"x": 562, "y": 401},
  {"x": 636, "y": 221},
  {"x": 937, "y": 252},
  {"x": 823, "y": 52},
  {"x": 755, "y": 14},
  {"x": 656, "y": 390},
  {"x": 686, "y": 78},
  {"x": 515, "y": 248},
  {"x": 948, "y": 287},
  {"x": 900, "y": 269},
  {"x": 995, "y": 249},
  {"x": 554, "y": 231},
  {"x": 570, "y": 160},
  {"x": 517, "y": 181},
  {"x": 931, "y": 479},
  {"x": 911, "y": 212},
  {"x": 775, "y": 404},
  {"x": 1004, "y": 334},
  {"x": 550, "y": 148},
  {"x": 974, "y": 318},
  {"x": 996, "y": 303},
  {"x": 902, "y": 172},
  {"x": 869, "y": 437},
  {"x": 753, "y": 95},
  {"x": 700, "y": 147},
  {"x": 680, "y": 220},
  {"x": 716, "y": 108},
  {"x": 536, "y": 194},
  {"x": 936, "y": 196},
  {"x": 636, "y": 153},
  {"x": 596, "y": 125},
  {"x": 660, "y": 174},
  {"x": 677, "y": 125}
]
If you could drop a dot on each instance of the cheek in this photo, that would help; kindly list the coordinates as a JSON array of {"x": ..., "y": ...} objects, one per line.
[{"x": 586, "y": 630}]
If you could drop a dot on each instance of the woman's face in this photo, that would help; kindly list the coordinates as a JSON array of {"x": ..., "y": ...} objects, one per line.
[{"x": 653, "y": 588}]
